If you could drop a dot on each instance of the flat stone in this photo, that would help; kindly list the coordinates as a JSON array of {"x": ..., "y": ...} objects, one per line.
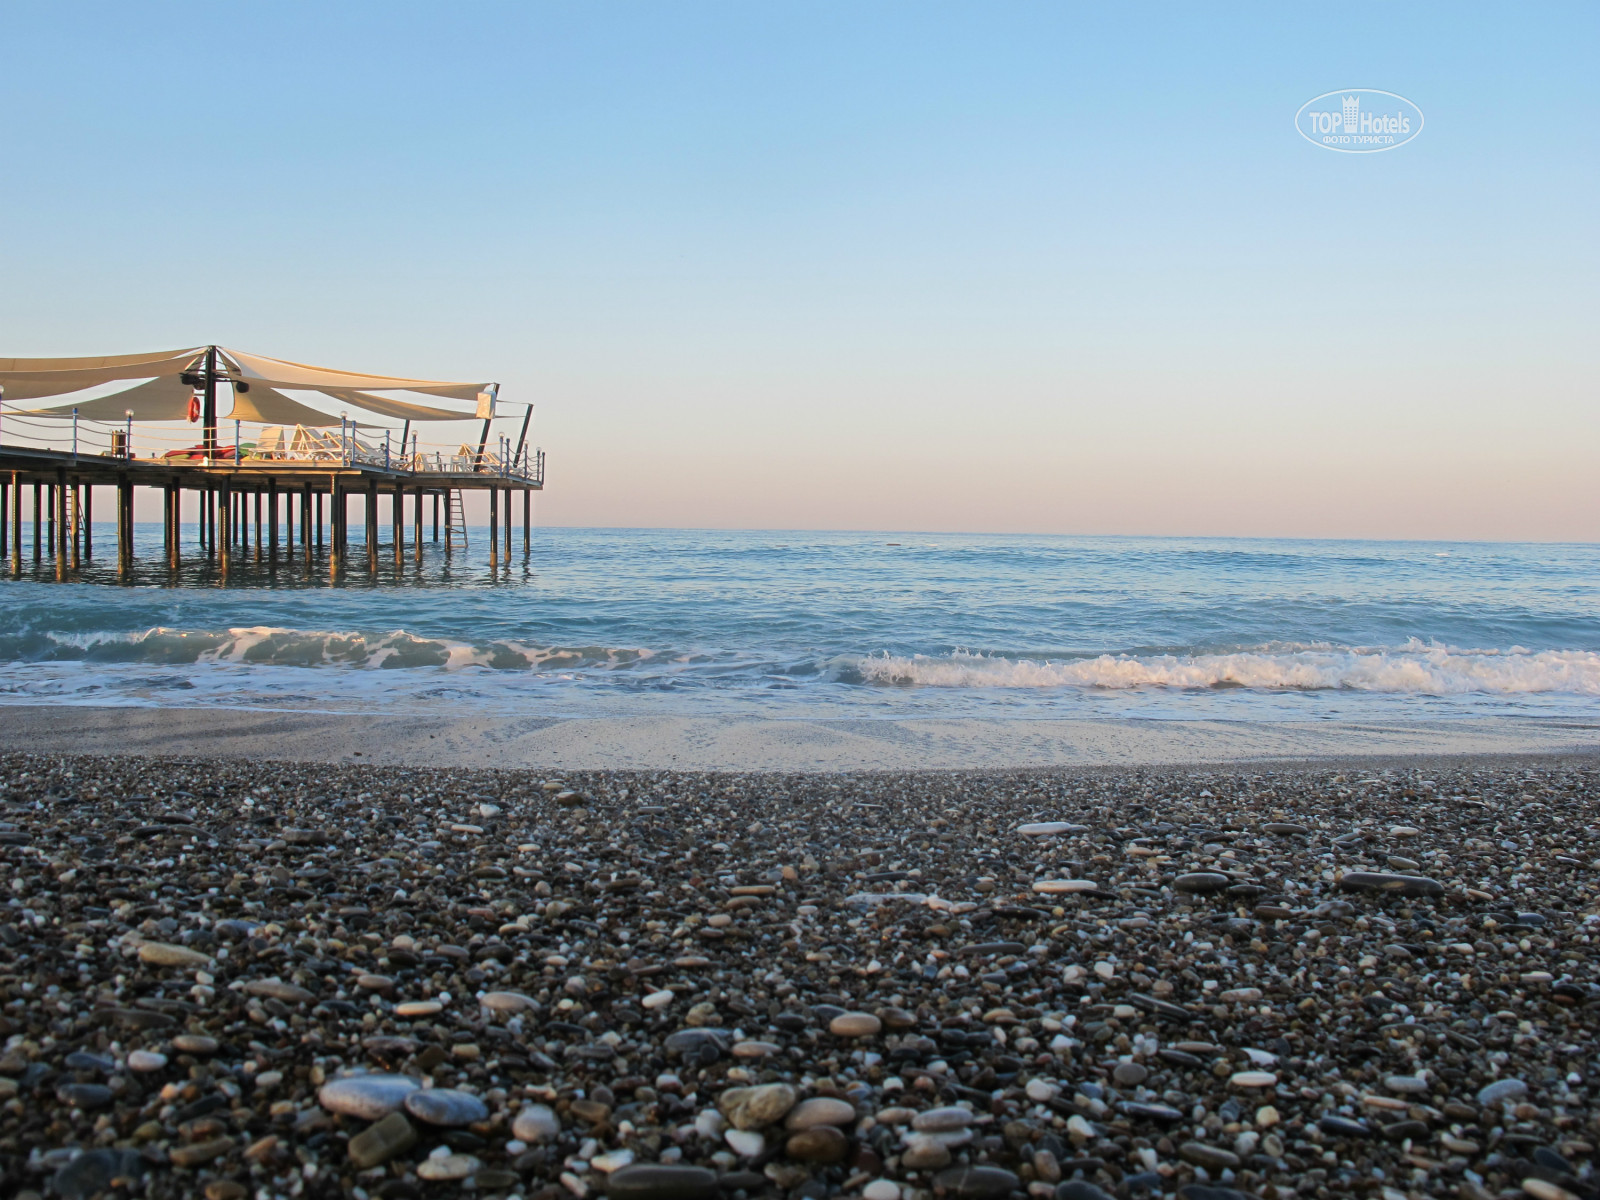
[
  {"x": 418, "y": 1008},
  {"x": 84, "y": 1095},
  {"x": 1343, "y": 1126},
  {"x": 199, "y": 1153},
  {"x": 881, "y": 1189},
  {"x": 145, "y": 1061},
  {"x": 194, "y": 1043},
  {"x": 1130, "y": 1074},
  {"x": 1406, "y": 1084},
  {"x": 445, "y": 1106},
  {"x": 925, "y": 1155},
  {"x": 746, "y": 1143},
  {"x": 276, "y": 990},
  {"x": 381, "y": 1141},
  {"x": 507, "y": 1002},
  {"x": 658, "y": 1000},
  {"x": 447, "y": 1167},
  {"x": 1284, "y": 828},
  {"x": 820, "y": 1110},
  {"x": 1247, "y": 995},
  {"x": 366, "y": 1096},
  {"x": 1050, "y": 828},
  {"x": 855, "y": 1025},
  {"x": 1253, "y": 1079},
  {"x": 1501, "y": 1090},
  {"x": 96, "y": 1171},
  {"x": 535, "y": 1123},
  {"x": 757, "y": 1107},
  {"x": 1378, "y": 881},
  {"x": 163, "y": 954},
  {"x": 662, "y": 1181},
  {"x": 1203, "y": 1154},
  {"x": 976, "y": 1182},
  {"x": 1064, "y": 887},
  {"x": 942, "y": 1120},
  {"x": 818, "y": 1144},
  {"x": 1201, "y": 883}
]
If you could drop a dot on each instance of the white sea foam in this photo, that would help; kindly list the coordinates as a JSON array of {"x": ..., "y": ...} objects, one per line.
[{"x": 1413, "y": 668}]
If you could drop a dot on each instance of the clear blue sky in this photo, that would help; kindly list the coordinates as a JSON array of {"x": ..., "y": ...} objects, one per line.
[{"x": 987, "y": 266}]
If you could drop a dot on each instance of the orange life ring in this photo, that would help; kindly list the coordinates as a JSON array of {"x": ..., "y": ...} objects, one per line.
[{"x": 194, "y": 408}]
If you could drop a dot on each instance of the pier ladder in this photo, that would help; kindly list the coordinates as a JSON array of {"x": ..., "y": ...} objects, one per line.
[{"x": 455, "y": 521}]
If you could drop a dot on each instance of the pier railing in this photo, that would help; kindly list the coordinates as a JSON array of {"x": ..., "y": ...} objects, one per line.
[{"x": 253, "y": 445}]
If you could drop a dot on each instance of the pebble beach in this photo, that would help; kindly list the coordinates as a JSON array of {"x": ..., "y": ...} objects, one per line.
[{"x": 244, "y": 979}]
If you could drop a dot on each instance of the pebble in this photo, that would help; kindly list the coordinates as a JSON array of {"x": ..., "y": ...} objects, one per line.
[
  {"x": 855, "y": 1025},
  {"x": 662, "y": 1181},
  {"x": 1383, "y": 882},
  {"x": 161, "y": 954},
  {"x": 1501, "y": 1090},
  {"x": 757, "y": 1107},
  {"x": 1050, "y": 828},
  {"x": 535, "y": 1123},
  {"x": 366, "y": 1096},
  {"x": 881, "y": 1189},
  {"x": 359, "y": 938},
  {"x": 1065, "y": 887},
  {"x": 976, "y": 1182},
  {"x": 1203, "y": 1154},
  {"x": 445, "y": 1106},
  {"x": 746, "y": 1143},
  {"x": 447, "y": 1167},
  {"x": 1253, "y": 1079},
  {"x": 96, "y": 1171},
  {"x": 1201, "y": 883},
  {"x": 820, "y": 1110},
  {"x": 381, "y": 1141}
]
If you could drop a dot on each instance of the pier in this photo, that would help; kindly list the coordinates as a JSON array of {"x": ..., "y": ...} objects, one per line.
[{"x": 271, "y": 482}]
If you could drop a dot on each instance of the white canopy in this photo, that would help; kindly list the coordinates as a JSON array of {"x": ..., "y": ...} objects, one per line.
[{"x": 258, "y": 383}]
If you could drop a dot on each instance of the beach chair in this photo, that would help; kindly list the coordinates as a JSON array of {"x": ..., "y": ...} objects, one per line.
[{"x": 271, "y": 444}]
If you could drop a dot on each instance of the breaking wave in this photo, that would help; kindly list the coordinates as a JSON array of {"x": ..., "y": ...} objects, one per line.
[{"x": 1412, "y": 668}]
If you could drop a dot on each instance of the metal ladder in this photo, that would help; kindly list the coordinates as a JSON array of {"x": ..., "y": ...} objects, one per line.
[{"x": 455, "y": 520}]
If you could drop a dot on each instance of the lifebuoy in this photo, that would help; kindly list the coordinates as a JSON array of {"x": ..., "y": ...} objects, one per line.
[{"x": 194, "y": 408}]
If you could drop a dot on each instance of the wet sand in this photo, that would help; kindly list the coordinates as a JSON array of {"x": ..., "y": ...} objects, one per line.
[{"x": 742, "y": 743}]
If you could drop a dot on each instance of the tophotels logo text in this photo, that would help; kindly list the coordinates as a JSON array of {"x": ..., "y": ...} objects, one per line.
[{"x": 1358, "y": 121}]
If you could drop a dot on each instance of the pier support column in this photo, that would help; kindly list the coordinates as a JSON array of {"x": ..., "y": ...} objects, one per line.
[
  {"x": 332, "y": 491},
  {"x": 335, "y": 549},
  {"x": 124, "y": 526},
  {"x": 372, "y": 526},
  {"x": 527, "y": 522},
  {"x": 38, "y": 518},
  {"x": 16, "y": 524},
  {"x": 6, "y": 492},
  {"x": 88, "y": 521},
  {"x": 494, "y": 527},
  {"x": 225, "y": 521},
  {"x": 77, "y": 527},
  {"x": 436, "y": 516},
  {"x": 272, "y": 520},
  {"x": 416, "y": 529},
  {"x": 62, "y": 530},
  {"x": 258, "y": 524},
  {"x": 397, "y": 512},
  {"x": 508, "y": 526}
]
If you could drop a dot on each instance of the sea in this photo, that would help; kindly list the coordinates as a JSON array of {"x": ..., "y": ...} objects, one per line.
[{"x": 618, "y": 622}]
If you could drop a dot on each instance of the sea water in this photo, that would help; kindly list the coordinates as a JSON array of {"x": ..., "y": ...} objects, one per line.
[{"x": 824, "y": 625}]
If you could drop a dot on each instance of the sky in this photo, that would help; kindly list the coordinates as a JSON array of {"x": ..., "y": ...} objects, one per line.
[{"x": 1010, "y": 267}]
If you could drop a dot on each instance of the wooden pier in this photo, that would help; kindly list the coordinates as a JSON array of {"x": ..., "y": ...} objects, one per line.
[{"x": 280, "y": 498}]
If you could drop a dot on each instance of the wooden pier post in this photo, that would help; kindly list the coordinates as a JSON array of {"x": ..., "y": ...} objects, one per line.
[
  {"x": 436, "y": 516},
  {"x": 331, "y": 492},
  {"x": 372, "y": 526},
  {"x": 62, "y": 530},
  {"x": 76, "y": 529},
  {"x": 5, "y": 517},
  {"x": 272, "y": 520},
  {"x": 258, "y": 524},
  {"x": 124, "y": 525},
  {"x": 169, "y": 524},
  {"x": 335, "y": 550},
  {"x": 88, "y": 521},
  {"x": 494, "y": 527},
  {"x": 305, "y": 523},
  {"x": 508, "y": 527},
  {"x": 225, "y": 520},
  {"x": 16, "y": 524},
  {"x": 527, "y": 522},
  {"x": 38, "y": 517},
  {"x": 50, "y": 518},
  {"x": 416, "y": 529}
]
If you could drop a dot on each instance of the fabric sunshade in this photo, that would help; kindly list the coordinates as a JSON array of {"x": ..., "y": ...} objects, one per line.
[
  {"x": 164, "y": 397},
  {"x": 272, "y": 407},
  {"x": 36, "y": 378}
]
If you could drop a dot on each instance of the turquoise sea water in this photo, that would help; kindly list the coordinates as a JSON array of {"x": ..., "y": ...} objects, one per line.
[{"x": 595, "y": 622}]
